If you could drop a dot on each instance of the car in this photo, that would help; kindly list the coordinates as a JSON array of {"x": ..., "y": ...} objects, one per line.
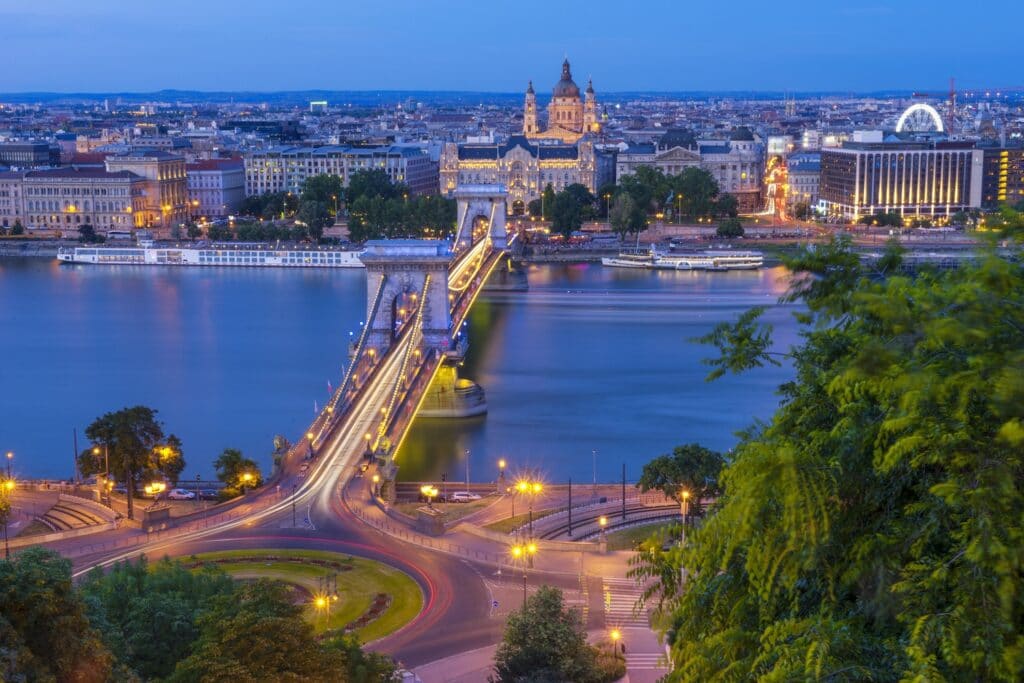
[
  {"x": 180, "y": 494},
  {"x": 463, "y": 497},
  {"x": 209, "y": 494}
]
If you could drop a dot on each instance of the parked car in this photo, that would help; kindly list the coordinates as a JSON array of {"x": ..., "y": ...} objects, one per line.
[
  {"x": 209, "y": 494},
  {"x": 463, "y": 497},
  {"x": 181, "y": 494}
]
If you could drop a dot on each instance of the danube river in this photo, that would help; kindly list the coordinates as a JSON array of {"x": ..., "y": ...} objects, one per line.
[{"x": 589, "y": 358}]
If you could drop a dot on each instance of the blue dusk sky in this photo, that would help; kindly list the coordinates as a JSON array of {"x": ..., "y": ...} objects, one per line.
[{"x": 669, "y": 45}]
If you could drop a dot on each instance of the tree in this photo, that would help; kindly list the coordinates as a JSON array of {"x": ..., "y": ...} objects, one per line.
[
  {"x": 870, "y": 530},
  {"x": 570, "y": 208},
  {"x": 648, "y": 187},
  {"x": 257, "y": 634},
  {"x": 44, "y": 632},
  {"x": 373, "y": 183},
  {"x": 129, "y": 435},
  {"x": 626, "y": 217},
  {"x": 147, "y": 613},
  {"x": 730, "y": 227},
  {"x": 17, "y": 229},
  {"x": 727, "y": 205},
  {"x": 605, "y": 194},
  {"x": 323, "y": 188},
  {"x": 237, "y": 471},
  {"x": 193, "y": 231},
  {"x": 87, "y": 234},
  {"x": 316, "y": 215},
  {"x": 698, "y": 189},
  {"x": 534, "y": 208},
  {"x": 692, "y": 468},
  {"x": 802, "y": 210},
  {"x": 547, "y": 202},
  {"x": 545, "y": 641},
  {"x": 219, "y": 233},
  {"x": 169, "y": 460},
  {"x": 361, "y": 666}
]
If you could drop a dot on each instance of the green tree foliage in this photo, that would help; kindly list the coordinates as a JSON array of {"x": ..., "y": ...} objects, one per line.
[
  {"x": 374, "y": 183},
  {"x": 545, "y": 641},
  {"x": 730, "y": 227},
  {"x": 87, "y": 234},
  {"x": 534, "y": 208},
  {"x": 802, "y": 210},
  {"x": 378, "y": 216},
  {"x": 193, "y": 231},
  {"x": 17, "y": 229},
  {"x": 257, "y": 634},
  {"x": 232, "y": 466},
  {"x": 570, "y": 208},
  {"x": 270, "y": 205},
  {"x": 315, "y": 215},
  {"x": 130, "y": 436},
  {"x": 44, "y": 632},
  {"x": 626, "y": 217},
  {"x": 324, "y": 188},
  {"x": 547, "y": 202},
  {"x": 727, "y": 205},
  {"x": 699, "y": 190},
  {"x": 360, "y": 665},
  {"x": 690, "y": 467},
  {"x": 648, "y": 187},
  {"x": 872, "y": 530},
  {"x": 147, "y": 613},
  {"x": 169, "y": 460}
]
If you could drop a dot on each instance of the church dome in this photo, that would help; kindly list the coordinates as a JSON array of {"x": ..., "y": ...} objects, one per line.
[{"x": 566, "y": 87}]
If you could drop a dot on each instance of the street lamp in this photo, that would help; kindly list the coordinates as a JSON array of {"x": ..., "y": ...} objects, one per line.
[
  {"x": 7, "y": 491},
  {"x": 616, "y": 635},
  {"x": 523, "y": 552},
  {"x": 376, "y": 483},
  {"x": 10, "y": 457},
  {"x": 602, "y": 522},
  {"x": 106, "y": 468},
  {"x": 429, "y": 492},
  {"x": 684, "y": 502},
  {"x": 246, "y": 479}
]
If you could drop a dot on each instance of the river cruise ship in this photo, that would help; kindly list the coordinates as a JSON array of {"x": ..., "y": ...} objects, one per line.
[
  {"x": 244, "y": 255},
  {"x": 715, "y": 260}
]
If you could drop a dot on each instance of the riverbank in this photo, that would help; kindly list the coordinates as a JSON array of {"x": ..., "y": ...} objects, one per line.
[{"x": 30, "y": 248}]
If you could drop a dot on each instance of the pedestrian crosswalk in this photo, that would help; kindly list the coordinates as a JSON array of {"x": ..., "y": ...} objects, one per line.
[
  {"x": 645, "y": 660},
  {"x": 620, "y": 597}
]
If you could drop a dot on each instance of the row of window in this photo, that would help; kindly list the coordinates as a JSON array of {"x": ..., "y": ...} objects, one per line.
[{"x": 76, "y": 191}]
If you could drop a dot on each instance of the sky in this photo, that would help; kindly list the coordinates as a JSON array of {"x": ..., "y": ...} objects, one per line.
[{"x": 486, "y": 45}]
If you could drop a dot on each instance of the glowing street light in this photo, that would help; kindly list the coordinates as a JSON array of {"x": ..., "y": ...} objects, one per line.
[
  {"x": 429, "y": 492},
  {"x": 523, "y": 552},
  {"x": 246, "y": 478}
]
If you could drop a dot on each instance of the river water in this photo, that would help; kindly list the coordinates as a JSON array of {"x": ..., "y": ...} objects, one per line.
[{"x": 589, "y": 358}]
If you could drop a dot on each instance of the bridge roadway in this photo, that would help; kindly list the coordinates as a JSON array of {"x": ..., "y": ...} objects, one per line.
[{"x": 456, "y": 614}]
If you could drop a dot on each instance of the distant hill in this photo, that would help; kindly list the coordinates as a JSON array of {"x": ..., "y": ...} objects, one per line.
[{"x": 379, "y": 97}]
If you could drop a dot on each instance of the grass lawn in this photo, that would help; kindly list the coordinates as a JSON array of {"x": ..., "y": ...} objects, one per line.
[
  {"x": 357, "y": 586},
  {"x": 451, "y": 511},
  {"x": 34, "y": 528},
  {"x": 509, "y": 524},
  {"x": 627, "y": 539}
]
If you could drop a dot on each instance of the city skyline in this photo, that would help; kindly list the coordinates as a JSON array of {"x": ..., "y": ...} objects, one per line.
[{"x": 467, "y": 47}]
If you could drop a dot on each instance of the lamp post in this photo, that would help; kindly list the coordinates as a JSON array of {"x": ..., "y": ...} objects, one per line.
[
  {"x": 501, "y": 475},
  {"x": 376, "y": 483},
  {"x": 246, "y": 479},
  {"x": 684, "y": 504},
  {"x": 602, "y": 522},
  {"x": 8, "y": 489},
  {"x": 429, "y": 492},
  {"x": 10, "y": 457},
  {"x": 523, "y": 552},
  {"x": 106, "y": 468}
]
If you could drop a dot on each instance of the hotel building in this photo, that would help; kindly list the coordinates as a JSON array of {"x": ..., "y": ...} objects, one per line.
[{"x": 908, "y": 178}]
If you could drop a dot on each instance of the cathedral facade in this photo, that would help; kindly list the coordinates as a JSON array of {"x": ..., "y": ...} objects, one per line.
[
  {"x": 569, "y": 117},
  {"x": 558, "y": 154}
]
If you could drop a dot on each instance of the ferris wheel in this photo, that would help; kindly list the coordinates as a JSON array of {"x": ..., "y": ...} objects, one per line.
[{"x": 919, "y": 118}]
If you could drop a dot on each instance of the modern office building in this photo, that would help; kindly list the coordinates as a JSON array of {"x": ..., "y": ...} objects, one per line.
[
  {"x": 285, "y": 169},
  {"x": 913, "y": 179},
  {"x": 29, "y": 154},
  {"x": 524, "y": 167},
  {"x": 216, "y": 187},
  {"x": 1002, "y": 177}
]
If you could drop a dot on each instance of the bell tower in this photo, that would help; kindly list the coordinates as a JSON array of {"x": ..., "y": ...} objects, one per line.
[
  {"x": 590, "y": 124},
  {"x": 530, "y": 112}
]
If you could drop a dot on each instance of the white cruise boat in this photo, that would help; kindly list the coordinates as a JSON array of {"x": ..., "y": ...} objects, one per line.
[
  {"x": 220, "y": 255},
  {"x": 715, "y": 260}
]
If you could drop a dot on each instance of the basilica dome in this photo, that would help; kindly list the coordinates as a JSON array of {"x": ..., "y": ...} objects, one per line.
[{"x": 566, "y": 87}]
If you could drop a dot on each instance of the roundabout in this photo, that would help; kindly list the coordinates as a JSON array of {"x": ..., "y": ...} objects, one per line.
[{"x": 339, "y": 592}]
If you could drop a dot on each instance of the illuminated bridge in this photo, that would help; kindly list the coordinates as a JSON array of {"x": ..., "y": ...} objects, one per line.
[{"x": 419, "y": 293}]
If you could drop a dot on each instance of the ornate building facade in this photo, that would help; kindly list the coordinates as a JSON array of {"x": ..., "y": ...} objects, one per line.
[
  {"x": 525, "y": 167},
  {"x": 560, "y": 153}
]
